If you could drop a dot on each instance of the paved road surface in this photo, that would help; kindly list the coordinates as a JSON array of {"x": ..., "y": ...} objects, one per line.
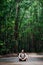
[{"x": 32, "y": 60}]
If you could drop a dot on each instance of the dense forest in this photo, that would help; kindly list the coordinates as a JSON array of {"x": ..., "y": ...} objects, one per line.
[{"x": 21, "y": 26}]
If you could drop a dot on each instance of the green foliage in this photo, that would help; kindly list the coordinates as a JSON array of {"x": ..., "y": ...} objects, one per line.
[{"x": 28, "y": 20}]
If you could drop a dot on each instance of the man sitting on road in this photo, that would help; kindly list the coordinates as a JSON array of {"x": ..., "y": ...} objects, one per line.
[{"x": 22, "y": 56}]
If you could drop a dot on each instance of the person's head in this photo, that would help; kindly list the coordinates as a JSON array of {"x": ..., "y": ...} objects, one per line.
[{"x": 22, "y": 51}]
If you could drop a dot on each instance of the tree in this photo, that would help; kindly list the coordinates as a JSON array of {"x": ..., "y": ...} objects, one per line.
[{"x": 21, "y": 25}]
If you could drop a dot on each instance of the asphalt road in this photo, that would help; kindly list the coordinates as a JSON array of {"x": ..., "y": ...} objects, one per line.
[
  {"x": 15, "y": 59},
  {"x": 32, "y": 60}
]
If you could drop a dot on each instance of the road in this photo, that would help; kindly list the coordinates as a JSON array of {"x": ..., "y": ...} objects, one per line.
[{"x": 33, "y": 59}]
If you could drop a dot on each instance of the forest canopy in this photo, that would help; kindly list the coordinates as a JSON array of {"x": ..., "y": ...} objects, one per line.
[{"x": 21, "y": 26}]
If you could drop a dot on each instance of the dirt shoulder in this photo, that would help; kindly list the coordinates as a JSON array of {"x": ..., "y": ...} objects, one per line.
[
  {"x": 9, "y": 55},
  {"x": 16, "y": 54}
]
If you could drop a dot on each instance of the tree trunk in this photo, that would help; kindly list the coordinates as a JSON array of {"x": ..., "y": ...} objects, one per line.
[{"x": 16, "y": 33}]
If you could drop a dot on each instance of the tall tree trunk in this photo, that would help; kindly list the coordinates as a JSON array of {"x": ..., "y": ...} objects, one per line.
[
  {"x": 16, "y": 21},
  {"x": 16, "y": 34}
]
